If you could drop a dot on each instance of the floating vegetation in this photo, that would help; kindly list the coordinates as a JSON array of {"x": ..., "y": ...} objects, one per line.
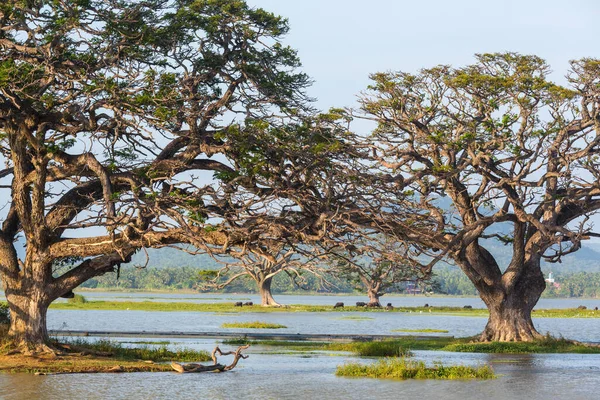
[
  {"x": 252, "y": 325},
  {"x": 401, "y": 368},
  {"x": 423, "y": 330}
]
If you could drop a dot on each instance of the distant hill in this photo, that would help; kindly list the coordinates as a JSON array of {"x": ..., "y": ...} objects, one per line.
[{"x": 170, "y": 257}]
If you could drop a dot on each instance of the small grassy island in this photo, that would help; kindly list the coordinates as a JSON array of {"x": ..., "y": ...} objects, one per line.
[
  {"x": 253, "y": 325},
  {"x": 401, "y": 368}
]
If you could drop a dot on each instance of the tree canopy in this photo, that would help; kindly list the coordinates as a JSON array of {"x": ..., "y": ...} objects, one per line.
[
  {"x": 111, "y": 110},
  {"x": 490, "y": 151}
]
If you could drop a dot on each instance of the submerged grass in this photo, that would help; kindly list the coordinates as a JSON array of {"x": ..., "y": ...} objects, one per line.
[
  {"x": 384, "y": 348},
  {"x": 229, "y": 307},
  {"x": 252, "y": 325},
  {"x": 375, "y": 349},
  {"x": 401, "y": 368}
]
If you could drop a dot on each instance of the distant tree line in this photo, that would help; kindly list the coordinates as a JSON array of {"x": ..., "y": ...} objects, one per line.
[{"x": 446, "y": 281}]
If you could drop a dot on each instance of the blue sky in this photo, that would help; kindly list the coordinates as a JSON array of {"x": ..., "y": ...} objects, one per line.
[{"x": 341, "y": 41}]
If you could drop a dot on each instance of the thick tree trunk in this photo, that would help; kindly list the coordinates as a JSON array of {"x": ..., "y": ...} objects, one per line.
[
  {"x": 266, "y": 298},
  {"x": 28, "y": 318},
  {"x": 510, "y": 311},
  {"x": 374, "y": 298}
]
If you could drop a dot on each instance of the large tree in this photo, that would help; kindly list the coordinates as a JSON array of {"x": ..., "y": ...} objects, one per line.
[
  {"x": 107, "y": 107},
  {"x": 263, "y": 263},
  {"x": 490, "y": 151},
  {"x": 374, "y": 263}
]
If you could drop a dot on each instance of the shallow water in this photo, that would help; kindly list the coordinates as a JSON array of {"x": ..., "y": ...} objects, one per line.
[
  {"x": 380, "y": 323},
  {"x": 289, "y": 376},
  {"x": 396, "y": 300}
]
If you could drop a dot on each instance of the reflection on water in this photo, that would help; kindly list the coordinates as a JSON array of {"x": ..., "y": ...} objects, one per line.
[{"x": 264, "y": 376}]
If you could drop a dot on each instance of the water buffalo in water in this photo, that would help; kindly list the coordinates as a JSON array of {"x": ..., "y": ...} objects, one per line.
[
  {"x": 374, "y": 304},
  {"x": 389, "y": 306},
  {"x": 582, "y": 308},
  {"x": 468, "y": 307},
  {"x": 361, "y": 304},
  {"x": 339, "y": 305},
  {"x": 238, "y": 304},
  {"x": 248, "y": 303}
]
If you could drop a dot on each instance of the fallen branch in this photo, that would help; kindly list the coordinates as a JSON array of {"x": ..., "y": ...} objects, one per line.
[{"x": 183, "y": 368}]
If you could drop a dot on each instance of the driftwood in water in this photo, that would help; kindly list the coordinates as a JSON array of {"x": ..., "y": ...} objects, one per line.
[{"x": 182, "y": 368}]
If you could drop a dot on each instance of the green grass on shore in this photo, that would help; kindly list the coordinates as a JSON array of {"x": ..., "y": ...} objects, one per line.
[
  {"x": 400, "y": 368},
  {"x": 80, "y": 356},
  {"x": 252, "y": 325},
  {"x": 157, "y": 353},
  {"x": 229, "y": 307}
]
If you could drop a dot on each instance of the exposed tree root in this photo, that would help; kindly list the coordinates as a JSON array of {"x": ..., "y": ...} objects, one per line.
[{"x": 183, "y": 368}]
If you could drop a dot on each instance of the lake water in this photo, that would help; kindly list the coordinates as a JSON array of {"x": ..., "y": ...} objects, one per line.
[
  {"x": 380, "y": 323},
  {"x": 396, "y": 300},
  {"x": 267, "y": 375},
  {"x": 290, "y": 376}
]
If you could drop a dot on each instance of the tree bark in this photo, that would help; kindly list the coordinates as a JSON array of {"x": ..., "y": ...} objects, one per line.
[
  {"x": 510, "y": 310},
  {"x": 374, "y": 297},
  {"x": 28, "y": 309},
  {"x": 266, "y": 298}
]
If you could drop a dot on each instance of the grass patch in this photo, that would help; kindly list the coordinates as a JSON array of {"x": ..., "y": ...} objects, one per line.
[
  {"x": 158, "y": 342},
  {"x": 546, "y": 345},
  {"x": 77, "y": 299},
  {"x": 384, "y": 348},
  {"x": 401, "y": 368},
  {"x": 252, "y": 325},
  {"x": 356, "y": 318},
  {"x": 424, "y": 330},
  {"x": 92, "y": 357},
  {"x": 153, "y": 353}
]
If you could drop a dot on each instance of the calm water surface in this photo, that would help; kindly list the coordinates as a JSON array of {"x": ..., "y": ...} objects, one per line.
[
  {"x": 267, "y": 375},
  {"x": 289, "y": 376},
  {"x": 396, "y": 300},
  {"x": 583, "y": 329}
]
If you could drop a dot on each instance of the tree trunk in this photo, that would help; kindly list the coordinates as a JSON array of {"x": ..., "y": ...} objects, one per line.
[
  {"x": 266, "y": 298},
  {"x": 28, "y": 310},
  {"x": 374, "y": 297},
  {"x": 510, "y": 311}
]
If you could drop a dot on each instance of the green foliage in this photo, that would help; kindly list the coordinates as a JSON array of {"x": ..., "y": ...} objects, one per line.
[
  {"x": 253, "y": 325},
  {"x": 4, "y": 314},
  {"x": 422, "y": 330},
  {"x": 169, "y": 278},
  {"x": 384, "y": 348},
  {"x": 159, "y": 353},
  {"x": 77, "y": 299},
  {"x": 405, "y": 369}
]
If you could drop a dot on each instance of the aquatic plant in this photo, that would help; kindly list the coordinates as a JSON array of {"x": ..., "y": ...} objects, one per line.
[
  {"x": 252, "y": 325},
  {"x": 401, "y": 368}
]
